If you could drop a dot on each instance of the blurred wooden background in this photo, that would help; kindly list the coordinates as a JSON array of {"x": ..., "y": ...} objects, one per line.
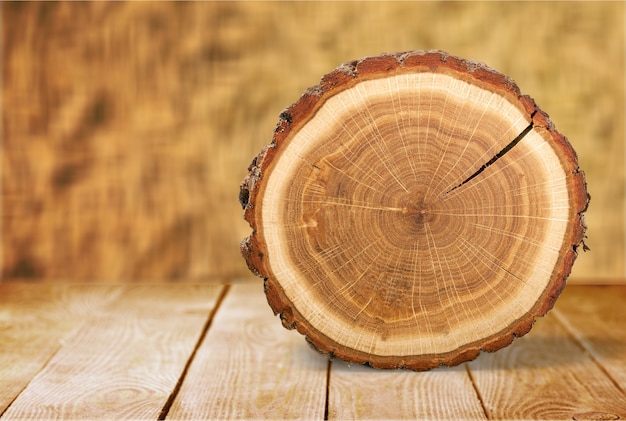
[{"x": 127, "y": 127}]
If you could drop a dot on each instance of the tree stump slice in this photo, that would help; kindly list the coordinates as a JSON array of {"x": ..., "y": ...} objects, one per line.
[{"x": 412, "y": 210}]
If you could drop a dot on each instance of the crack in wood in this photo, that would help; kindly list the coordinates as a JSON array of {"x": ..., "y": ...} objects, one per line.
[
  {"x": 346, "y": 157},
  {"x": 497, "y": 156},
  {"x": 50, "y": 358}
]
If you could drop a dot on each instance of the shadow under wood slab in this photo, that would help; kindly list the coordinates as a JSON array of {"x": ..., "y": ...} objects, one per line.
[
  {"x": 359, "y": 392},
  {"x": 412, "y": 210}
]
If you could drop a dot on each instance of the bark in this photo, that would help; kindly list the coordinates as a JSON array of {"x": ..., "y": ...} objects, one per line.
[{"x": 412, "y": 210}]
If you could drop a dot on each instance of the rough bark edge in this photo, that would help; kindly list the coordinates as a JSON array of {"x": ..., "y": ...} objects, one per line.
[{"x": 347, "y": 75}]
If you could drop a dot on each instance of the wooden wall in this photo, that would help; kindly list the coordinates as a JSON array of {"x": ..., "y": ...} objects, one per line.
[{"x": 127, "y": 127}]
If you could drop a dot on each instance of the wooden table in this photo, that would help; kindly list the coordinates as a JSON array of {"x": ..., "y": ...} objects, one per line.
[{"x": 199, "y": 351}]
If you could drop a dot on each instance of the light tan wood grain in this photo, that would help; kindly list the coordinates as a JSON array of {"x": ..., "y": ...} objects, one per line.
[
  {"x": 121, "y": 349},
  {"x": 359, "y": 393},
  {"x": 35, "y": 319},
  {"x": 126, "y": 359},
  {"x": 596, "y": 317},
  {"x": 546, "y": 375},
  {"x": 249, "y": 367}
]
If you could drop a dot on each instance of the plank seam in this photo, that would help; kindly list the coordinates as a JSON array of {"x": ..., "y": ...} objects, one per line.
[
  {"x": 326, "y": 402},
  {"x": 586, "y": 350},
  {"x": 205, "y": 329},
  {"x": 477, "y": 391},
  {"x": 52, "y": 355},
  {"x": 107, "y": 301}
]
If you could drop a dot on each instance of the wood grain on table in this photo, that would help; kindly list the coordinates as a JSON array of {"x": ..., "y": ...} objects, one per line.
[{"x": 214, "y": 351}]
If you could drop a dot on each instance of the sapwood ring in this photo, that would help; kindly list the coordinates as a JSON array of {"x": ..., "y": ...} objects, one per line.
[{"x": 412, "y": 210}]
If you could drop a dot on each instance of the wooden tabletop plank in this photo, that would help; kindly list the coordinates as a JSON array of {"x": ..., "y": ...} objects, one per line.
[
  {"x": 359, "y": 392},
  {"x": 117, "y": 351},
  {"x": 546, "y": 375},
  {"x": 34, "y": 320},
  {"x": 596, "y": 317},
  {"x": 125, "y": 361},
  {"x": 249, "y": 366}
]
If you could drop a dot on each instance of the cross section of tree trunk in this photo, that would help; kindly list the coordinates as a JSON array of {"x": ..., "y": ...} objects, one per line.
[{"x": 412, "y": 210}]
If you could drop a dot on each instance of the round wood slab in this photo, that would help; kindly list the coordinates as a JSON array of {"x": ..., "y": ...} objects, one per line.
[{"x": 412, "y": 210}]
